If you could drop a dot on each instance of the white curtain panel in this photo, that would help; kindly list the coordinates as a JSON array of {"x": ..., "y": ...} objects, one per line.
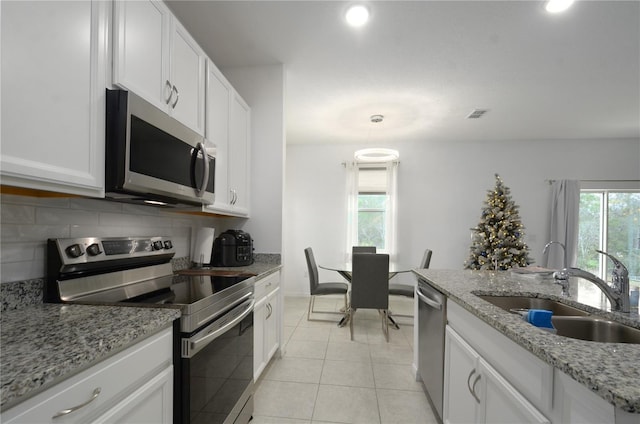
[
  {"x": 565, "y": 207},
  {"x": 392, "y": 209},
  {"x": 352, "y": 208}
]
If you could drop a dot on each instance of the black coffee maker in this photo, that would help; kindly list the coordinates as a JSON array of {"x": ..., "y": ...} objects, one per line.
[{"x": 232, "y": 248}]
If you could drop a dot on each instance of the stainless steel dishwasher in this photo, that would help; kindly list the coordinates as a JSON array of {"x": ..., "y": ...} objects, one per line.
[{"x": 432, "y": 319}]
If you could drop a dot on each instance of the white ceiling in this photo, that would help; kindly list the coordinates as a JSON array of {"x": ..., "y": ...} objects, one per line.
[{"x": 425, "y": 65}]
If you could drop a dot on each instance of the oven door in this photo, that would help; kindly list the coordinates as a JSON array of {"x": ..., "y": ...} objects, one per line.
[{"x": 217, "y": 369}]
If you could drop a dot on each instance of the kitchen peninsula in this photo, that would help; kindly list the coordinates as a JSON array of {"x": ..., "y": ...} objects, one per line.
[{"x": 575, "y": 376}]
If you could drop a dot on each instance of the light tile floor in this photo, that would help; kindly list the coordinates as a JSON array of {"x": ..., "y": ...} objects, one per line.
[{"x": 324, "y": 377}]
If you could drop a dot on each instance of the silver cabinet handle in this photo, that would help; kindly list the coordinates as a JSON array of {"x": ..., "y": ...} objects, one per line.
[
  {"x": 434, "y": 304},
  {"x": 96, "y": 393},
  {"x": 270, "y": 308},
  {"x": 473, "y": 388},
  {"x": 205, "y": 177},
  {"x": 175, "y": 102},
  {"x": 473, "y": 371},
  {"x": 168, "y": 84}
]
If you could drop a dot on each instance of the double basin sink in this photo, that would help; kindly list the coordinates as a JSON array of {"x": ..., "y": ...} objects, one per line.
[{"x": 569, "y": 321}]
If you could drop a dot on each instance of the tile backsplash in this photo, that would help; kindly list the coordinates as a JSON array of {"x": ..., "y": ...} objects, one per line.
[{"x": 27, "y": 223}]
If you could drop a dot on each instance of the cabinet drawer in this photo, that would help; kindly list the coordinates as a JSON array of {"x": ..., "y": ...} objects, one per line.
[
  {"x": 266, "y": 285},
  {"x": 113, "y": 380}
]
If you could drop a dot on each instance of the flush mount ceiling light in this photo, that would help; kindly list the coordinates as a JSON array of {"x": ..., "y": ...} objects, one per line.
[
  {"x": 357, "y": 15},
  {"x": 557, "y": 6},
  {"x": 376, "y": 155}
]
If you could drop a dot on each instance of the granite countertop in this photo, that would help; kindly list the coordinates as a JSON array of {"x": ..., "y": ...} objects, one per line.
[
  {"x": 42, "y": 345},
  {"x": 612, "y": 370}
]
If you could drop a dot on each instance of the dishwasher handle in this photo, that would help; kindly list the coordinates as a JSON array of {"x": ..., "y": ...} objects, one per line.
[{"x": 430, "y": 302}]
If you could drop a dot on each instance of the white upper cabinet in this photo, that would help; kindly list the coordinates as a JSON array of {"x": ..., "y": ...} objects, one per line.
[
  {"x": 53, "y": 95},
  {"x": 239, "y": 142},
  {"x": 217, "y": 132},
  {"x": 156, "y": 58},
  {"x": 228, "y": 127}
]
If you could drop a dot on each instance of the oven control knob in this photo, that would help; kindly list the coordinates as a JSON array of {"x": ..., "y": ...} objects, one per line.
[
  {"x": 94, "y": 249},
  {"x": 168, "y": 244},
  {"x": 75, "y": 251},
  {"x": 157, "y": 245}
]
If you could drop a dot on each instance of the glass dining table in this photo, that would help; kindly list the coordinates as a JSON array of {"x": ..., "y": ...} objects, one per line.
[{"x": 345, "y": 269}]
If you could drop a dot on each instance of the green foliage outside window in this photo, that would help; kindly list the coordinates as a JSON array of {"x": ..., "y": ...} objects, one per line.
[
  {"x": 371, "y": 220},
  {"x": 623, "y": 231}
]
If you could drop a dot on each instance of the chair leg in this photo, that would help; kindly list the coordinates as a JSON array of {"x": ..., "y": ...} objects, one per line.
[
  {"x": 311, "y": 302},
  {"x": 385, "y": 324},
  {"x": 352, "y": 312}
]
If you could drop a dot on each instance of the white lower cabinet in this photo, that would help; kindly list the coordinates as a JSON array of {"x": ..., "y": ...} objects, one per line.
[
  {"x": 489, "y": 378},
  {"x": 133, "y": 386},
  {"x": 267, "y": 317},
  {"x": 474, "y": 392}
]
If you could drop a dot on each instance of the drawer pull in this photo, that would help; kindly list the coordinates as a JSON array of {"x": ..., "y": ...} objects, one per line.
[{"x": 95, "y": 395}]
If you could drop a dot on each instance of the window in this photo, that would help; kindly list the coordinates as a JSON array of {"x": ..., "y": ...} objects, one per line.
[
  {"x": 371, "y": 214},
  {"x": 609, "y": 221},
  {"x": 372, "y": 207}
]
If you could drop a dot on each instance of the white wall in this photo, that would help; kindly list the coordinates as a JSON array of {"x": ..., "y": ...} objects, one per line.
[
  {"x": 262, "y": 87},
  {"x": 441, "y": 190}
]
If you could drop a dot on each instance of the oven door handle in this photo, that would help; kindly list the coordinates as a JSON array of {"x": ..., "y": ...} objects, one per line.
[{"x": 194, "y": 344}]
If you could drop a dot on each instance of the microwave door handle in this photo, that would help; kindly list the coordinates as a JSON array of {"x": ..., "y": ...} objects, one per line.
[{"x": 205, "y": 177}]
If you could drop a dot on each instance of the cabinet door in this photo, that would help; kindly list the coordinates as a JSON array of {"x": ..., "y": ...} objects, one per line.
[
  {"x": 259, "y": 358},
  {"x": 187, "y": 78},
  {"x": 501, "y": 402},
  {"x": 239, "y": 123},
  {"x": 141, "y": 49},
  {"x": 271, "y": 339},
  {"x": 53, "y": 116},
  {"x": 461, "y": 377},
  {"x": 217, "y": 132},
  {"x": 151, "y": 403}
]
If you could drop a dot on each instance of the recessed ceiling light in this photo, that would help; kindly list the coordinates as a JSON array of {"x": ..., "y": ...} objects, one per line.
[
  {"x": 557, "y": 6},
  {"x": 357, "y": 15}
]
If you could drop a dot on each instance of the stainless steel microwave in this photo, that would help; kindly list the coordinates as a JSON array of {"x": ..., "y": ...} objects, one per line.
[{"x": 152, "y": 158}]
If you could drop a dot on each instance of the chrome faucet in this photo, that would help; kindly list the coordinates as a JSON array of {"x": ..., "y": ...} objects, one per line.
[
  {"x": 564, "y": 251},
  {"x": 618, "y": 293}
]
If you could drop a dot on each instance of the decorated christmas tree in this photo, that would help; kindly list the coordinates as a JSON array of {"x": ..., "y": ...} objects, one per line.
[{"x": 498, "y": 240}]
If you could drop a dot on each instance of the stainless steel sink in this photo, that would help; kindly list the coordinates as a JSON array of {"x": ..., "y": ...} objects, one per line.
[
  {"x": 595, "y": 329},
  {"x": 523, "y": 302}
]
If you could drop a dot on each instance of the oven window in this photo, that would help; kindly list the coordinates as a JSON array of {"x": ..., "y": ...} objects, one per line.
[{"x": 219, "y": 374}]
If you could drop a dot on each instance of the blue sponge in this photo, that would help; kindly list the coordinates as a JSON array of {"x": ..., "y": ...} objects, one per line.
[{"x": 540, "y": 318}]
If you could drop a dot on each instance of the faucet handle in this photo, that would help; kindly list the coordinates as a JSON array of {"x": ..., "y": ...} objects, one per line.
[
  {"x": 562, "y": 278},
  {"x": 619, "y": 275}
]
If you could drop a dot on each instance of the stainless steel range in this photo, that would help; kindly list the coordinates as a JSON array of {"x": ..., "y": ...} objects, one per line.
[{"x": 213, "y": 357}]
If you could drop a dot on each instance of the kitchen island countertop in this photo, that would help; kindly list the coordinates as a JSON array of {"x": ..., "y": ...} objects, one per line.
[
  {"x": 44, "y": 344},
  {"x": 611, "y": 370}
]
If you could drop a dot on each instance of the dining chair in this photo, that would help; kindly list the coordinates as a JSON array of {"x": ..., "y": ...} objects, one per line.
[
  {"x": 370, "y": 287},
  {"x": 406, "y": 289},
  {"x": 316, "y": 288},
  {"x": 363, "y": 249}
]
